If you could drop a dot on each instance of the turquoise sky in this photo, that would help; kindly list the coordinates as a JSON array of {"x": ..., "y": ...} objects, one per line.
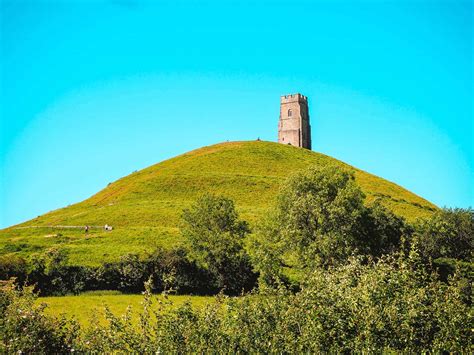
[{"x": 93, "y": 90}]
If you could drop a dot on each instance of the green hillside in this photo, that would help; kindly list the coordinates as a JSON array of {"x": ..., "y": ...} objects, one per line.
[{"x": 144, "y": 208}]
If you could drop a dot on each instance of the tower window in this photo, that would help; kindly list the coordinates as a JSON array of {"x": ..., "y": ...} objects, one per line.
[{"x": 290, "y": 113}]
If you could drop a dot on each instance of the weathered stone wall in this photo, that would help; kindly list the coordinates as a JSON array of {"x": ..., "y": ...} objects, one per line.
[{"x": 294, "y": 127}]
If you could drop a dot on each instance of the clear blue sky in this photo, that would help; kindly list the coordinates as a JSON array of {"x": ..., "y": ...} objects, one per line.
[{"x": 93, "y": 90}]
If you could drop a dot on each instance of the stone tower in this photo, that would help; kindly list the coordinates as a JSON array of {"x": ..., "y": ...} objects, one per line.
[{"x": 293, "y": 127}]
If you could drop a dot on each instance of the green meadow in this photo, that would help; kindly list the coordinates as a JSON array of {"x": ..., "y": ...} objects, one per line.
[
  {"x": 91, "y": 305},
  {"x": 144, "y": 207}
]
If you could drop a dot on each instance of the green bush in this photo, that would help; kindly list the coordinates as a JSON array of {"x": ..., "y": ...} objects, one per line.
[{"x": 12, "y": 266}]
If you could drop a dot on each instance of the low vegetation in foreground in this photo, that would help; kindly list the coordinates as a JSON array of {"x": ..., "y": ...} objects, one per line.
[
  {"x": 323, "y": 271},
  {"x": 388, "y": 305}
]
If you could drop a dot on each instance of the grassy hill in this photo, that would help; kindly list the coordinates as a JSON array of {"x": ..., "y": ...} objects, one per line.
[{"x": 144, "y": 208}]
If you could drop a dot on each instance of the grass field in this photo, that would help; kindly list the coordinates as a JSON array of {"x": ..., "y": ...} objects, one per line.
[
  {"x": 83, "y": 307},
  {"x": 145, "y": 207}
]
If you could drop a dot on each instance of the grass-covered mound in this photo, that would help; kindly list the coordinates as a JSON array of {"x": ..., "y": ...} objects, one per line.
[{"x": 145, "y": 207}]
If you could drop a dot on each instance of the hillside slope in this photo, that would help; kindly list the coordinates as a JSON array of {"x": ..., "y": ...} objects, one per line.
[{"x": 144, "y": 208}]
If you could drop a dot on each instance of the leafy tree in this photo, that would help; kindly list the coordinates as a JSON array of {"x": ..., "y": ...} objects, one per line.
[
  {"x": 320, "y": 213},
  {"x": 267, "y": 249},
  {"x": 214, "y": 235},
  {"x": 320, "y": 220},
  {"x": 49, "y": 271},
  {"x": 318, "y": 217}
]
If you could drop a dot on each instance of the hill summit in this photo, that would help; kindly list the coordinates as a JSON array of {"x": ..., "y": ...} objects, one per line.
[{"x": 145, "y": 207}]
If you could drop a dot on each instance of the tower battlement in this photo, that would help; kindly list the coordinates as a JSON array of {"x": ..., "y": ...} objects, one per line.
[
  {"x": 293, "y": 98},
  {"x": 294, "y": 127}
]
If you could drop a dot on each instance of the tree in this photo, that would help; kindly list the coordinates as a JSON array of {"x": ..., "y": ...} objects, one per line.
[
  {"x": 214, "y": 235},
  {"x": 319, "y": 213},
  {"x": 320, "y": 220}
]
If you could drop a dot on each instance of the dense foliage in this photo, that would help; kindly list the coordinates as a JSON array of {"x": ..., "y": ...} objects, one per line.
[
  {"x": 215, "y": 235},
  {"x": 319, "y": 216},
  {"x": 24, "y": 328},
  {"x": 447, "y": 233},
  {"x": 319, "y": 221},
  {"x": 392, "y": 304}
]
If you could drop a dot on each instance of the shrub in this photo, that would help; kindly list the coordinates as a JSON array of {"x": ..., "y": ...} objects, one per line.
[
  {"x": 172, "y": 270},
  {"x": 25, "y": 329},
  {"x": 131, "y": 272},
  {"x": 387, "y": 305},
  {"x": 12, "y": 266}
]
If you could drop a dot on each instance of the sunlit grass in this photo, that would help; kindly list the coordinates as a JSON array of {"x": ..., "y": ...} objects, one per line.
[{"x": 85, "y": 307}]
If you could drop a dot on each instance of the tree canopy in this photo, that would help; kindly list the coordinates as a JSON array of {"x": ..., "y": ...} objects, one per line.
[
  {"x": 214, "y": 235},
  {"x": 320, "y": 220}
]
